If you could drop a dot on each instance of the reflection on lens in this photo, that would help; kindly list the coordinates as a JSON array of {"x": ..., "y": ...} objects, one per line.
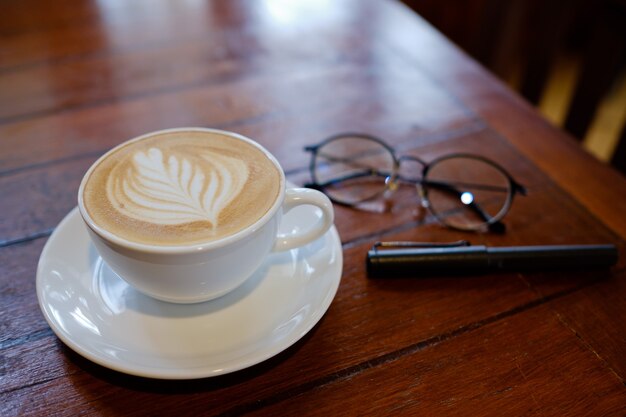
[
  {"x": 353, "y": 169},
  {"x": 467, "y": 198},
  {"x": 467, "y": 192}
]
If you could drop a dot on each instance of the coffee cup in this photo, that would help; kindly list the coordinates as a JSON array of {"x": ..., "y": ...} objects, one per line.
[{"x": 187, "y": 215}]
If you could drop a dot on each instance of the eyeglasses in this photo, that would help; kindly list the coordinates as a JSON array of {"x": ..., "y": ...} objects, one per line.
[{"x": 462, "y": 191}]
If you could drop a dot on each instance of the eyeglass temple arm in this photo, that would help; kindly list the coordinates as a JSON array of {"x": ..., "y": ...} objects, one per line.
[
  {"x": 352, "y": 176},
  {"x": 518, "y": 188},
  {"x": 496, "y": 226},
  {"x": 442, "y": 186}
]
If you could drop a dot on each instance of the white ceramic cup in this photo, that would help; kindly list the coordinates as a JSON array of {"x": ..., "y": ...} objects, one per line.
[{"x": 201, "y": 272}]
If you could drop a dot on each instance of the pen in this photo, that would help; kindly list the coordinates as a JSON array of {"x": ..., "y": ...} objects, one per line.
[{"x": 472, "y": 259}]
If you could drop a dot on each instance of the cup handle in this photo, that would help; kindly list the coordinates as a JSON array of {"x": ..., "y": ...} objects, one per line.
[{"x": 295, "y": 197}]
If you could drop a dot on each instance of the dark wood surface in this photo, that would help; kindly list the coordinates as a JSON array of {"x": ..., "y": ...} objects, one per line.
[{"x": 78, "y": 77}]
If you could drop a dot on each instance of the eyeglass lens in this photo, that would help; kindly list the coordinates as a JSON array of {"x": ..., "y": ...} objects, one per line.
[
  {"x": 353, "y": 169},
  {"x": 466, "y": 192}
]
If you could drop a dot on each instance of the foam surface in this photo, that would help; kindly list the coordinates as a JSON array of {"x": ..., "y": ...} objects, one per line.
[{"x": 181, "y": 188}]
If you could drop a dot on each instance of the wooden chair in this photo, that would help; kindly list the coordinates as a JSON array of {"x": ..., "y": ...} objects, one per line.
[
  {"x": 602, "y": 62},
  {"x": 602, "y": 27},
  {"x": 530, "y": 34}
]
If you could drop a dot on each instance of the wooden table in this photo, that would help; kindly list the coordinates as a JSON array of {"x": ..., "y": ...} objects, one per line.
[{"x": 78, "y": 77}]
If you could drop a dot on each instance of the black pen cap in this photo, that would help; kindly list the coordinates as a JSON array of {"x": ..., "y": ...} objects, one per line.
[{"x": 426, "y": 261}]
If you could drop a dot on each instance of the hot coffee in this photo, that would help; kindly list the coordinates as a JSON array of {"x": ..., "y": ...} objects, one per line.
[{"x": 181, "y": 187}]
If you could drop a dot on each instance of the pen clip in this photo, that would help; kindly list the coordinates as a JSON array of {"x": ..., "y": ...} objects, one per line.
[{"x": 456, "y": 244}]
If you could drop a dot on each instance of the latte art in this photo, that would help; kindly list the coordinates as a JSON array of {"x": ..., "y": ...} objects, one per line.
[
  {"x": 172, "y": 190},
  {"x": 181, "y": 187}
]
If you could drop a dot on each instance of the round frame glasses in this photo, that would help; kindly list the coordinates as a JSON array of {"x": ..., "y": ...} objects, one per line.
[{"x": 462, "y": 191}]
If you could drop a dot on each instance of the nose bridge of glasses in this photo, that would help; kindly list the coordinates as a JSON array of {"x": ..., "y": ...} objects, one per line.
[
  {"x": 412, "y": 158},
  {"x": 414, "y": 179},
  {"x": 410, "y": 170}
]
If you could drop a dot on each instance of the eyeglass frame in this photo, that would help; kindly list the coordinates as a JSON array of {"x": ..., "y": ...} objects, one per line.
[{"x": 394, "y": 179}]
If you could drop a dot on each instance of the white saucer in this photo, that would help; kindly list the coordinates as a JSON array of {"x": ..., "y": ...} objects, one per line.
[{"x": 98, "y": 315}]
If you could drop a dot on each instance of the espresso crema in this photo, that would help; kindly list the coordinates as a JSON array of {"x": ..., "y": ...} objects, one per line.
[{"x": 181, "y": 188}]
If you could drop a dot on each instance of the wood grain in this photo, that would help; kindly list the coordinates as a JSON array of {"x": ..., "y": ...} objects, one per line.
[
  {"x": 79, "y": 77},
  {"x": 504, "y": 368},
  {"x": 601, "y": 303},
  {"x": 264, "y": 107}
]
